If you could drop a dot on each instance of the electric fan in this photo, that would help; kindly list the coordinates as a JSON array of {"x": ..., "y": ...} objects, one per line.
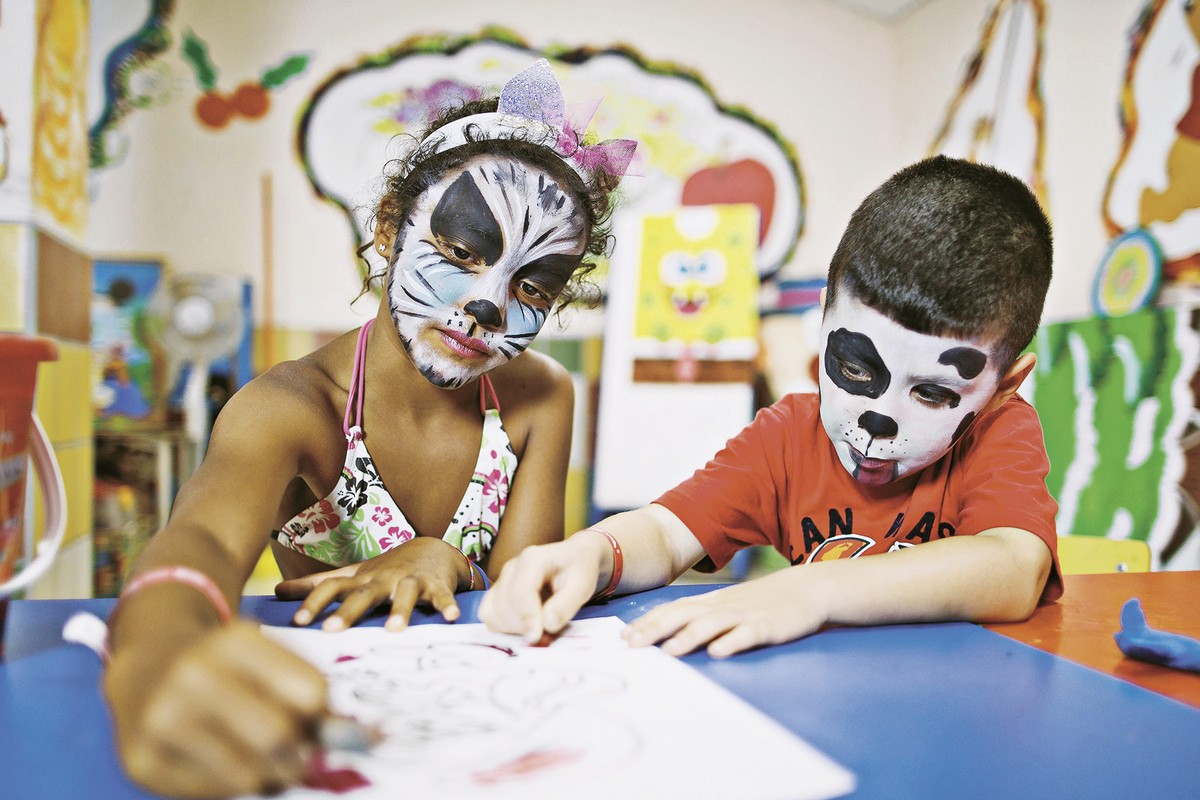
[{"x": 196, "y": 319}]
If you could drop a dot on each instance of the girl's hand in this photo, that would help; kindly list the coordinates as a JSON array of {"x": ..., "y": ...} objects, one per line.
[
  {"x": 231, "y": 714},
  {"x": 540, "y": 590},
  {"x": 772, "y": 609},
  {"x": 423, "y": 570}
]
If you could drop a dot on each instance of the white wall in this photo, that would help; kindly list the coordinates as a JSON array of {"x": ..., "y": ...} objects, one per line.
[{"x": 856, "y": 97}]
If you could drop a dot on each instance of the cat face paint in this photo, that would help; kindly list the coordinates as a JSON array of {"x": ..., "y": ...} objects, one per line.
[
  {"x": 478, "y": 265},
  {"x": 894, "y": 401}
]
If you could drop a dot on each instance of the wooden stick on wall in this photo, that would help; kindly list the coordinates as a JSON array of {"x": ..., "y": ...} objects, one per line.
[{"x": 268, "y": 275}]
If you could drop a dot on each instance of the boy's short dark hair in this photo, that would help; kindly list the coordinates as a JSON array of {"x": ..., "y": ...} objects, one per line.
[{"x": 950, "y": 248}]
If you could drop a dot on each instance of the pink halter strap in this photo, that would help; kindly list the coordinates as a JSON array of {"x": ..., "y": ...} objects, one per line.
[
  {"x": 359, "y": 378},
  {"x": 355, "y": 400}
]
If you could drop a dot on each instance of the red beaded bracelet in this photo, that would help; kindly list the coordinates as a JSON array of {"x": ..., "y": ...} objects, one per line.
[{"x": 618, "y": 564}]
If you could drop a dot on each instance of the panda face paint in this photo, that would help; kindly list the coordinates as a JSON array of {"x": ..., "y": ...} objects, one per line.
[
  {"x": 477, "y": 267},
  {"x": 894, "y": 401}
]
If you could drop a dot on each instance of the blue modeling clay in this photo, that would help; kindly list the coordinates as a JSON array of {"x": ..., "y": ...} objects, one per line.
[{"x": 1137, "y": 640}]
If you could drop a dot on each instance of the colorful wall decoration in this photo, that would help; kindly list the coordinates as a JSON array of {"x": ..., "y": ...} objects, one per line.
[
  {"x": 128, "y": 40},
  {"x": 1155, "y": 183},
  {"x": 697, "y": 298},
  {"x": 60, "y": 160},
  {"x": 128, "y": 370},
  {"x": 250, "y": 100},
  {"x": 693, "y": 150},
  {"x": 997, "y": 116},
  {"x": 1114, "y": 397}
]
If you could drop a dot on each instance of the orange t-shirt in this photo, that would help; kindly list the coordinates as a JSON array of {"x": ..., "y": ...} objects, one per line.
[{"x": 779, "y": 482}]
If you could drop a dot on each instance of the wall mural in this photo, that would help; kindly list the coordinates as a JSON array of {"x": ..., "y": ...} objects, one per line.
[
  {"x": 996, "y": 117},
  {"x": 132, "y": 44},
  {"x": 1155, "y": 184},
  {"x": 1118, "y": 393},
  {"x": 250, "y": 100},
  {"x": 127, "y": 42},
  {"x": 59, "y": 183},
  {"x": 692, "y": 149}
]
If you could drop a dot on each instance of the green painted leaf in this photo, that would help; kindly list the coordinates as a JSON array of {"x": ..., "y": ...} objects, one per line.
[
  {"x": 281, "y": 73},
  {"x": 195, "y": 52}
]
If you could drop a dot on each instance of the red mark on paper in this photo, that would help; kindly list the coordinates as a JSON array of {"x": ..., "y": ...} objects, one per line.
[
  {"x": 320, "y": 775},
  {"x": 523, "y": 766}
]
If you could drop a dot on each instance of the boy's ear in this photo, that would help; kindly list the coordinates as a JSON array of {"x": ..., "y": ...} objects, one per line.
[
  {"x": 824, "y": 289},
  {"x": 1012, "y": 380}
]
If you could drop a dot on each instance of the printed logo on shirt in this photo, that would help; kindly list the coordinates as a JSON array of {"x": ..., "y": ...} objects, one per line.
[
  {"x": 835, "y": 547},
  {"x": 843, "y": 542}
]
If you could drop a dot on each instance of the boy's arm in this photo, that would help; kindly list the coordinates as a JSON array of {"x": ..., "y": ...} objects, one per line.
[
  {"x": 996, "y": 575},
  {"x": 540, "y": 590}
]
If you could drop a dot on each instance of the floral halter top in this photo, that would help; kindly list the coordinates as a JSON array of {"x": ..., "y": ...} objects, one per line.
[{"x": 359, "y": 519}]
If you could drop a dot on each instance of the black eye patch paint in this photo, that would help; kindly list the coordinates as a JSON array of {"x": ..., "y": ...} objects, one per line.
[
  {"x": 967, "y": 360},
  {"x": 856, "y": 349},
  {"x": 963, "y": 425},
  {"x": 462, "y": 215}
]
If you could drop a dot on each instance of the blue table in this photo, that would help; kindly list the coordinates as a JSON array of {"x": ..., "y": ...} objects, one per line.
[{"x": 920, "y": 711}]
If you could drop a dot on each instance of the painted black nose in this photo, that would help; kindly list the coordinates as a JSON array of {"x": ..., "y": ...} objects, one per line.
[
  {"x": 484, "y": 312},
  {"x": 879, "y": 426}
]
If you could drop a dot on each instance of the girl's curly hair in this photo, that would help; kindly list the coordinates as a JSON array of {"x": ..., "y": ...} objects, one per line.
[{"x": 407, "y": 177}]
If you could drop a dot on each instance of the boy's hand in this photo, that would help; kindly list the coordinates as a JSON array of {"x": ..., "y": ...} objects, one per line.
[
  {"x": 776, "y": 608},
  {"x": 231, "y": 714},
  {"x": 424, "y": 570},
  {"x": 540, "y": 590}
]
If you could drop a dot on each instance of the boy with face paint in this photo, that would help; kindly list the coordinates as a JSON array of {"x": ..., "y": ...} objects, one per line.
[
  {"x": 910, "y": 488},
  {"x": 380, "y": 466}
]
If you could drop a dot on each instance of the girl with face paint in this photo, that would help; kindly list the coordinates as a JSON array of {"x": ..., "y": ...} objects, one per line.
[{"x": 382, "y": 465}]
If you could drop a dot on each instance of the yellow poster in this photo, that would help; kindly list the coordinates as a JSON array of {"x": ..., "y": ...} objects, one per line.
[
  {"x": 698, "y": 283},
  {"x": 60, "y": 153}
]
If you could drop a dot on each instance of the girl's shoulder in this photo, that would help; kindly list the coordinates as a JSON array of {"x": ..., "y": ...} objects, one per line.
[
  {"x": 307, "y": 391},
  {"x": 530, "y": 380}
]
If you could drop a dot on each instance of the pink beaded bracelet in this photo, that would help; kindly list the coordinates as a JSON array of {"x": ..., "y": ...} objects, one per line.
[
  {"x": 618, "y": 564},
  {"x": 185, "y": 575}
]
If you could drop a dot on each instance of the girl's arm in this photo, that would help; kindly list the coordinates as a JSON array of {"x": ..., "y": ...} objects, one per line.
[
  {"x": 201, "y": 708},
  {"x": 535, "y": 511}
]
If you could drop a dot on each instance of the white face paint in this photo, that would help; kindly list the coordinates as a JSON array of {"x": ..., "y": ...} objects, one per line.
[
  {"x": 479, "y": 264},
  {"x": 893, "y": 401}
]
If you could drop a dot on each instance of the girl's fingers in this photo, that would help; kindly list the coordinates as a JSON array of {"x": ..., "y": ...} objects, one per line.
[
  {"x": 299, "y": 588},
  {"x": 442, "y": 599},
  {"x": 354, "y": 605},
  {"x": 264, "y": 731},
  {"x": 404, "y": 597},
  {"x": 322, "y": 595}
]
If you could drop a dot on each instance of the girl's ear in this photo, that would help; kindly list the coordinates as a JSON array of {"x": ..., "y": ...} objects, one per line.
[
  {"x": 1012, "y": 380},
  {"x": 386, "y": 224}
]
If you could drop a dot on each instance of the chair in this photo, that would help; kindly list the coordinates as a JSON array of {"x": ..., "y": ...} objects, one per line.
[{"x": 1089, "y": 555}]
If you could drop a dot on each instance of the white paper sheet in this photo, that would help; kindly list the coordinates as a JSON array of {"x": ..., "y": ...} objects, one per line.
[{"x": 470, "y": 713}]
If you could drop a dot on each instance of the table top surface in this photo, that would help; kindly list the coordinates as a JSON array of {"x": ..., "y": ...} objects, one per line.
[
  {"x": 921, "y": 711},
  {"x": 1081, "y": 625}
]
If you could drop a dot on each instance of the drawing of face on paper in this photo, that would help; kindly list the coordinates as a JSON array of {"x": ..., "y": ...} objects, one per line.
[
  {"x": 697, "y": 286},
  {"x": 488, "y": 710},
  {"x": 1155, "y": 184},
  {"x": 467, "y": 712},
  {"x": 996, "y": 118}
]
